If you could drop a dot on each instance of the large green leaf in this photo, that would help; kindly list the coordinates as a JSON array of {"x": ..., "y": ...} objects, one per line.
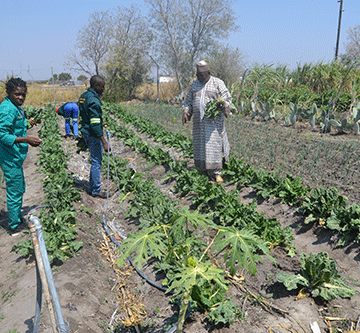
[
  {"x": 146, "y": 243},
  {"x": 319, "y": 276},
  {"x": 335, "y": 289},
  {"x": 291, "y": 281},
  {"x": 241, "y": 247},
  {"x": 195, "y": 274}
]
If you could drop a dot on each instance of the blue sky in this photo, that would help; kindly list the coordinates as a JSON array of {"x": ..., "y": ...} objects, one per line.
[{"x": 37, "y": 34}]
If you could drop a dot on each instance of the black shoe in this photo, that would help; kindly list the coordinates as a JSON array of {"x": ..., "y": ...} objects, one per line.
[
  {"x": 19, "y": 228},
  {"x": 101, "y": 195}
]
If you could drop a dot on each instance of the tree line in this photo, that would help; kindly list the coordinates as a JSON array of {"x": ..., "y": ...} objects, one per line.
[{"x": 123, "y": 45}]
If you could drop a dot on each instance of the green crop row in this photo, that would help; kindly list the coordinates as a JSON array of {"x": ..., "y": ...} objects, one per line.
[{"x": 59, "y": 219}]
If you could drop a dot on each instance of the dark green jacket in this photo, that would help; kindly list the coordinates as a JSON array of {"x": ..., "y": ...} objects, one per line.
[{"x": 91, "y": 113}]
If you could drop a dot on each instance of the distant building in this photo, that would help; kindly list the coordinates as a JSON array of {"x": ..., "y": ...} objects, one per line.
[{"x": 166, "y": 79}]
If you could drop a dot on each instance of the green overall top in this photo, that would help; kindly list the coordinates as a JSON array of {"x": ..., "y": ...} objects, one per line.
[{"x": 12, "y": 125}]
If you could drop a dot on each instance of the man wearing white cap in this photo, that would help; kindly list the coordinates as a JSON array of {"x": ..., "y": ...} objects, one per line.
[{"x": 209, "y": 134}]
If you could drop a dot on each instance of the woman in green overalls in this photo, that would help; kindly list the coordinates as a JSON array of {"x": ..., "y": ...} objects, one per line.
[{"x": 14, "y": 147}]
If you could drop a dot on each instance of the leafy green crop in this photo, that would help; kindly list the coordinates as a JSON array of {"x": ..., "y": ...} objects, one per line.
[
  {"x": 319, "y": 276},
  {"x": 214, "y": 107},
  {"x": 33, "y": 112},
  {"x": 58, "y": 220},
  {"x": 347, "y": 222},
  {"x": 321, "y": 204}
]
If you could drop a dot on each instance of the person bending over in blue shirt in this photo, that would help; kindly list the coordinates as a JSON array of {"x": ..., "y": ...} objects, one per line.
[{"x": 70, "y": 110}]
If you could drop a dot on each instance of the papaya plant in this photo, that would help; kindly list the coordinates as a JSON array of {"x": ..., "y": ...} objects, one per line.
[{"x": 184, "y": 257}]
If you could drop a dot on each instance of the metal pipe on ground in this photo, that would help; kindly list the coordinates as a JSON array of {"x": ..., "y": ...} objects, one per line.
[
  {"x": 41, "y": 283},
  {"x": 48, "y": 280}
]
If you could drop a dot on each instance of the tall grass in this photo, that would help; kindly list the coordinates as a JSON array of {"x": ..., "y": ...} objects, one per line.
[
  {"x": 41, "y": 94},
  {"x": 166, "y": 91},
  {"x": 310, "y": 83}
]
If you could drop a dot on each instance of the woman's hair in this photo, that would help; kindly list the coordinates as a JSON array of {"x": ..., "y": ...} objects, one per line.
[{"x": 13, "y": 83}]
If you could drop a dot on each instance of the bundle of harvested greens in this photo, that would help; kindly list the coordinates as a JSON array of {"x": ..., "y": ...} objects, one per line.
[{"x": 214, "y": 107}]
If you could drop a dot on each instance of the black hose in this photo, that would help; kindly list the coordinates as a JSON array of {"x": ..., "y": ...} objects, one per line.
[{"x": 151, "y": 282}]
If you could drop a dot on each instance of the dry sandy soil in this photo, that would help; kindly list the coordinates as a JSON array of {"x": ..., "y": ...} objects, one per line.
[{"x": 94, "y": 293}]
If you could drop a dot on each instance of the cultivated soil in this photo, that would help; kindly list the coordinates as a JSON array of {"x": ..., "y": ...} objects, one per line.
[{"x": 96, "y": 296}]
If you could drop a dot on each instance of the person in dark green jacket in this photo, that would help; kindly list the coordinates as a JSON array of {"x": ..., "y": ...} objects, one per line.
[
  {"x": 14, "y": 147},
  {"x": 92, "y": 131}
]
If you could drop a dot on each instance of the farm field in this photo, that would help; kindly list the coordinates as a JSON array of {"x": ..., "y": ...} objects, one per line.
[
  {"x": 319, "y": 159},
  {"x": 91, "y": 287}
]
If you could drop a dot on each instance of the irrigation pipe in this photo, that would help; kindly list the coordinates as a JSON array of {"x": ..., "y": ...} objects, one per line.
[
  {"x": 46, "y": 275},
  {"x": 39, "y": 263}
]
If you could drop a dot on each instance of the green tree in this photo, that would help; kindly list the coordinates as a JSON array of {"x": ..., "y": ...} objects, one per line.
[
  {"x": 226, "y": 63},
  {"x": 127, "y": 65},
  {"x": 82, "y": 78},
  {"x": 55, "y": 77},
  {"x": 64, "y": 76}
]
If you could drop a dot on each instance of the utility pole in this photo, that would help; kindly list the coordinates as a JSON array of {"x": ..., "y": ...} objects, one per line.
[
  {"x": 157, "y": 79},
  {"x": 338, "y": 33}
]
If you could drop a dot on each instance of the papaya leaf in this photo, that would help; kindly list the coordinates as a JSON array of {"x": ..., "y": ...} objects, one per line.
[
  {"x": 146, "y": 243},
  {"x": 196, "y": 274},
  {"x": 184, "y": 217},
  {"x": 241, "y": 248}
]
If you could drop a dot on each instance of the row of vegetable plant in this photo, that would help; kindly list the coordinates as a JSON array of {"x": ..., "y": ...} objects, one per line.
[
  {"x": 324, "y": 161},
  {"x": 321, "y": 205},
  {"x": 210, "y": 197},
  {"x": 59, "y": 218},
  {"x": 175, "y": 237}
]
